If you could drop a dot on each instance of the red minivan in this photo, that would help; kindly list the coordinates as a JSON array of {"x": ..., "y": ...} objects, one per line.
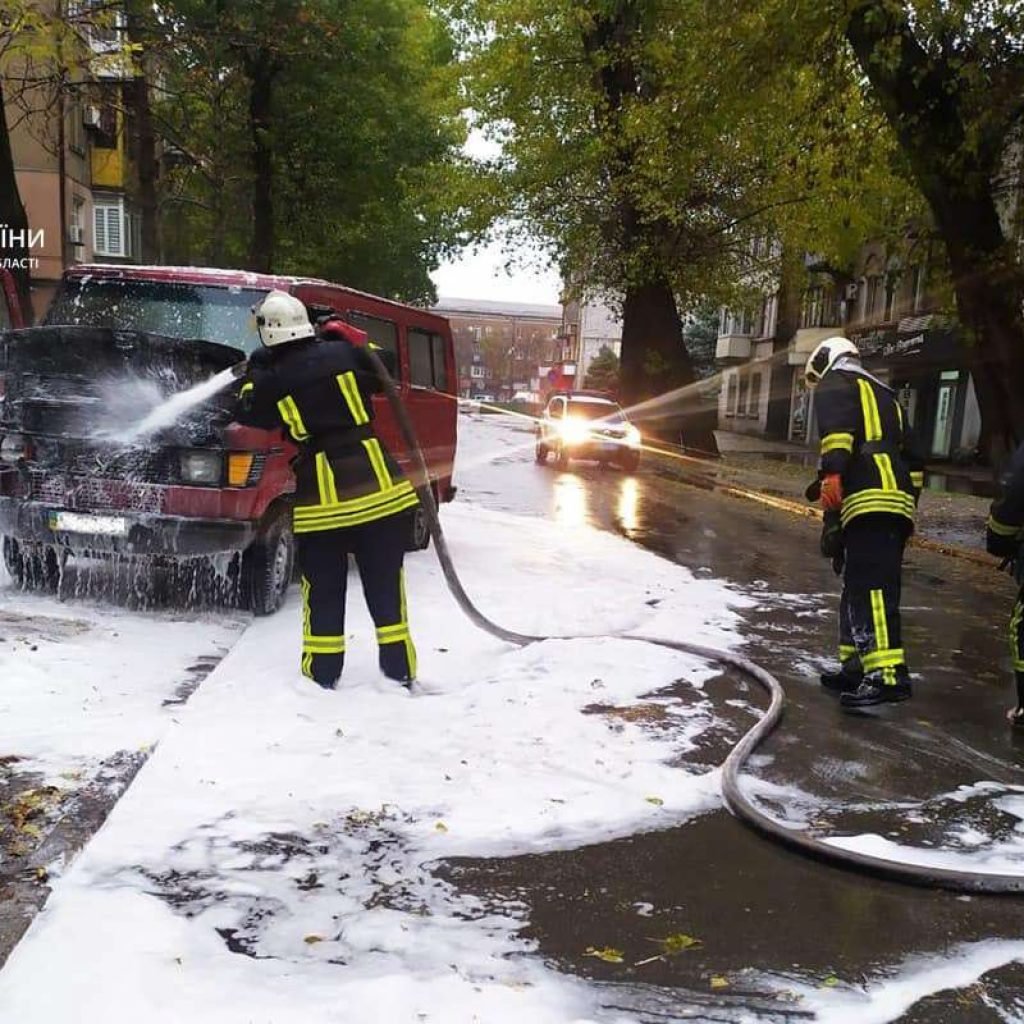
[
  {"x": 10, "y": 309},
  {"x": 205, "y": 492}
]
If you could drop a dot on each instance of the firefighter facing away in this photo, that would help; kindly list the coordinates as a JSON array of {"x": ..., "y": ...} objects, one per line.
[
  {"x": 1004, "y": 535},
  {"x": 350, "y": 496},
  {"x": 870, "y": 478}
]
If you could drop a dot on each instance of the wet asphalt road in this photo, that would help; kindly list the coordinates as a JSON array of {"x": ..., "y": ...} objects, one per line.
[{"x": 752, "y": 904}]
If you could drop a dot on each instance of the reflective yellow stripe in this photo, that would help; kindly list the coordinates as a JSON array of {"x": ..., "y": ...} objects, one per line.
[
  {"x": 1001, "y": 529},
  {"x": 847, "y": 651},
  {"x": 1016, "y": 653},
  {"x": 885, "y": 472},
  {"x": 879, "y": 620},
  {"x": 246, "y": 388},
  {"x": 305, "y": 606},
  {"x": 917, "y": 479},
  {"x": 309, "y": 512},
  {"x": 899, "y": 415},
  {"x": 325, "y": 480},
  {"x": 836, "y": 442},
  {"x": 292, "y": 418},
  {"x": 410, "y": 650},
  {"x": 340, "y": 520},
  {"x": 380, "y": 468},
  {"x": 869, "y": 407},
  {"x": 323, "y": 644},
  {"x": 883, "y": 659},
  {"x": 397, "y": 632},
  {"x": 353, "y": 399},
  {"x": 307, "y": 665}
]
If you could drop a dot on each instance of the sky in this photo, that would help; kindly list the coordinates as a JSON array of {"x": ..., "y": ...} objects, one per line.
[{"x": 481, "y": 273}]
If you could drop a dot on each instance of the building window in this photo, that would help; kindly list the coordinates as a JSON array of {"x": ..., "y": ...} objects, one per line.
[
  {"x": 732, "y": 395},
  {"x": 110, "y": 235},
  {"x": 872, "y": 296},
  {"x": 919, "y": 287},
  {"x": 76, "y": 228},
  {"x": 892, "y": 287},
  {"x": 754, "y": 398},
  {"x": 744, "y": 395}
]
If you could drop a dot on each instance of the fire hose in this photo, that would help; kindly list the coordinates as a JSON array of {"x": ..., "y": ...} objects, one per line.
[{"x": 735, "y": 799}]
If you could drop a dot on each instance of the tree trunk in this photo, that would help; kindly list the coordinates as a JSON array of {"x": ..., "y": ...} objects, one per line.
[
  {"x": 144, "y": 143},
  {"x": 787, "y": 322},
  {"x": 14, "y": 219},
  {"x": 147, "y": 170},
  {"x": 657, "y": 375},
  {"x": 656, "y": 369},
  {"x": 261, "y": 88}
]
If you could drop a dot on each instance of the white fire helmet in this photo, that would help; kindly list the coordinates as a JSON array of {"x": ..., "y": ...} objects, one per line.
[
  {"x": 281, "y": 318},
  {"x": 824, "y": 357}
]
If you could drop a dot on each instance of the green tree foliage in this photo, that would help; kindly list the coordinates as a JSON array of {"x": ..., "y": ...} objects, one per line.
[
  {"x": 701, "y": 337},
  {"x": 316, "y": 137},
  {"x": 603, "y": 372}
]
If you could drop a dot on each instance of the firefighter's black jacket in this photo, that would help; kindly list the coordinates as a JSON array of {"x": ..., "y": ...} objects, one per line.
[
  {"x": 1006, "y": 519},
  {"x": 319, "y": 391},
  {"x": 865, "y": 440}
]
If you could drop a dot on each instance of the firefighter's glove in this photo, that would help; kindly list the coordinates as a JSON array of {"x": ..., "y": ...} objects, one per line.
[
  {"x": 813, "y": 492},
  {"x": 832, "y": 540},
  {"x": 832, "y": 492}
]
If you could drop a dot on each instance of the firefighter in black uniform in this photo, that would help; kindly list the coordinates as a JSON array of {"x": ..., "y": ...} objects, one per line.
[
  {"x": 870, "y": 480},
  {"x": 1004, "y": 535},
  {"x": 350, "y": 495}
]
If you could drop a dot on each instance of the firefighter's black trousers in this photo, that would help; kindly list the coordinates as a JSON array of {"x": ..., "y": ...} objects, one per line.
[
  {"x": 869, "y": 609},
  {"x": 379, "y": 549}
]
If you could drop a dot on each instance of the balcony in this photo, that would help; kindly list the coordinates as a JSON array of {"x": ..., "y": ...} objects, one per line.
[{"x": 733, "y": 348}]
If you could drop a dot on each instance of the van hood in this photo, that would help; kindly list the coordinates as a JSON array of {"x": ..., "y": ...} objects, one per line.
[{"x": 88, "y": 382}]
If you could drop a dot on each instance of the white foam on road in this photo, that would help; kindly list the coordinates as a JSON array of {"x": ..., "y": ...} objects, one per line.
[{"x": 511, "y": 751}]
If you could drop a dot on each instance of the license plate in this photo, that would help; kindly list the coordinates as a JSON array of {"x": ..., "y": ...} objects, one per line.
[{"x": 77, "y": 522}]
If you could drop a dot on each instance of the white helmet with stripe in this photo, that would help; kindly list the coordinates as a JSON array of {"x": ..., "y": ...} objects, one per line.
[
  {"x": 280, "y": 318},
  {"x": 824, "y": 357}
]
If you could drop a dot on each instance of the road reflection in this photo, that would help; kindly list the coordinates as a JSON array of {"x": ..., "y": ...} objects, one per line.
[
  {"x": 570, "y": 500},
  {"x": 628, "y": 508}
]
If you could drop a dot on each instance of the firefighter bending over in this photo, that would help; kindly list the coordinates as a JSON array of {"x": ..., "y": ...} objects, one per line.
[
  {"x": 870, "y": 480},
  {"x": 1004, "y": 534},
  {"x": 350, "y": 495}
]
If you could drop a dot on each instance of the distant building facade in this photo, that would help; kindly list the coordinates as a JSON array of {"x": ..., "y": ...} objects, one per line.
[{"x": 501, "y": 348}]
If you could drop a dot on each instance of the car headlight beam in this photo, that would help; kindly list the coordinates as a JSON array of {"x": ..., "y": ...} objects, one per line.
[{"x": 574, "y": 431}]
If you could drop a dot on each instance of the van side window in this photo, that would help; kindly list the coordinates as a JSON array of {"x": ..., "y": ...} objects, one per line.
[
  {"x": 427, "y": 367},
  {"x": 380, "y": 332}
]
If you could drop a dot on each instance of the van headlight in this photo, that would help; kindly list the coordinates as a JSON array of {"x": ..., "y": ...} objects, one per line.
[
  {"x": 574, "y": 431},
  {"x": 199, "y": 467},
  {"x": 633, "y": 438},
  {"x": 13, "y": 449}
]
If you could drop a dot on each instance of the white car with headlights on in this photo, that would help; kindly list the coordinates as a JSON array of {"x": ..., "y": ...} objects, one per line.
[{"x": 587, "y": 425}]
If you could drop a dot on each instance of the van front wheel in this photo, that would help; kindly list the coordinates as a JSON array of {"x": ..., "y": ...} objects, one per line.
[{"x": 267, "y": 564}]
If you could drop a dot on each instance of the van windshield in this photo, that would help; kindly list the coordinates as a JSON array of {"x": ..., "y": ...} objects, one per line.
[{"x": 222, "y": 314}]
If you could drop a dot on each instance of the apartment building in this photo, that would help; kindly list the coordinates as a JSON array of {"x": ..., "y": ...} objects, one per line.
[
  {"x": 889, "y": 307},
  {"x": 501, "y": 348},
  {"x": 69, "y": 142}
]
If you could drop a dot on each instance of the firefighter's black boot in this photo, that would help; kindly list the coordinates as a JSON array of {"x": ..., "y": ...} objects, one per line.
[
  {"x": 1015, "y": 716},
  {"x": 874, "y": 690},
  {"x": 846, "y": 680}
]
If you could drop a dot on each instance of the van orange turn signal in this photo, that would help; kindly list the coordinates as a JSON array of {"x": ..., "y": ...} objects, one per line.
[{"x": 239, "y": 468}]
